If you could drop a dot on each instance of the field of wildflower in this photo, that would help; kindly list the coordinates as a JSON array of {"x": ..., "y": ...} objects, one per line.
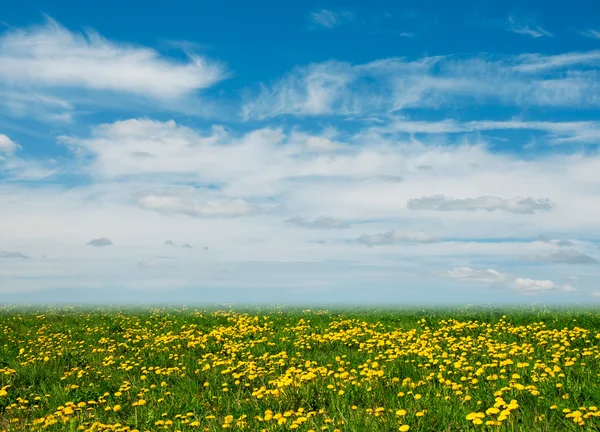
[{"x": 69, "y": 369}]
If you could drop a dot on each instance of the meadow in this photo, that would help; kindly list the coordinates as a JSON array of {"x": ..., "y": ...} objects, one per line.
[{"x": 274, "y": 369}]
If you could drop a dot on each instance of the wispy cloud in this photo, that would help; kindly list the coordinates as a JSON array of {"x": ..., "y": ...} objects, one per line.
[
  {"x": 40, "y": 63},
  {"x": 394, "y": 33},
  {"x": 533, "y": 63},
  {"x": 467, "y": 274},
  {"x": 591, "y": 33},
  {"x": 394, "y": 84},
  {"x": 569, "y": 132},
  {"x": 487, "y": 203},
  {"x": 7, "y": 146},
  {"x": 53, "y": 56},
  {"x": 526, "y": 28},
  {"x": 330, "y": 19}
]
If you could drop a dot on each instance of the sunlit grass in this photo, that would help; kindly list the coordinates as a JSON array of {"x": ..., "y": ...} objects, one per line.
[{"x": 283, "y": 369}]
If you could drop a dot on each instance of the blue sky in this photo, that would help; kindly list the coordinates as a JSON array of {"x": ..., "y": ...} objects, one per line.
[{"x": 353, "y": 152}]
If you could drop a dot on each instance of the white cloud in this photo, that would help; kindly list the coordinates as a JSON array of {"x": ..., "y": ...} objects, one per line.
[
  {"x": 7, "y": 146},
  {"x": 526, "y": 285},
  {"x": 384, "y": 86},
  {"x": 523, "y": 285},
  {"x": 591, "y": 33},
  {"x": 314, "y": 90},
  {"x": 17, "y": 168},
  {"x": 330, "y": 19},
  {"x": 322, "y": 143},
  {"x": 52, "y": 56},
  {"x": 203, "y": 172},
  {"x": 141, "y": 146},
  {"x": 583, "y": 132},
  {"x": 488, "y": 203},
  {"x": 526, "y": 28},
  {"x": 266, "y": 166},
  {"x": 532, "y": 63},
  {"x": 396, "y": 236},
  {"x": 52, "y": 74},
  {"x": 29, "y": 103},
  {"x": 563, "y": 256},
  {"x": 234, "y": 187},
  {"x": 187, "y": 202},
  {"x": 467, "y": 274},
  {"x": 321, "y": 222}
]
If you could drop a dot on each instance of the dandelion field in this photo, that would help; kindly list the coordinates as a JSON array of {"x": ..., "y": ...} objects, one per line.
[{"x": 68, "y": 369}]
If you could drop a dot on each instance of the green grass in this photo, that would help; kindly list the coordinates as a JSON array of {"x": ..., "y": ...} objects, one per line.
[{"x": 346, "y": 370}]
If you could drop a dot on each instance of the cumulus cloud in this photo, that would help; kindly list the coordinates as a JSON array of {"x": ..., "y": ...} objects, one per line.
[
  {"x": 396, "y": 236},
  {"x": 12, "y": 254},
  {"x": 322, "y": 222},
  {"x": 261, "y": 166},
  {"x": 50, "y": 55},
  {"x": 329, "y": 19},
  {"x": 527, "y": 285},
  {"x": 324, "y": 142},
  {"x": 7, "y": 146},
  {"x": 218, "y": 165},
  {"x": 115, "y": 149},
  {"x": 523, "y": 285},
  {"x": 261, "y": 158},
  {"x": 100, "y": 242},
  {"x": 564, "y": 256},
  {"x": 526, "y": 28},
  {"x": 488, "y": 203}
]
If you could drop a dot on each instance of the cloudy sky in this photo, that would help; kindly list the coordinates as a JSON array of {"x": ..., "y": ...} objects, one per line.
[{"x": 355, "y": 152}]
